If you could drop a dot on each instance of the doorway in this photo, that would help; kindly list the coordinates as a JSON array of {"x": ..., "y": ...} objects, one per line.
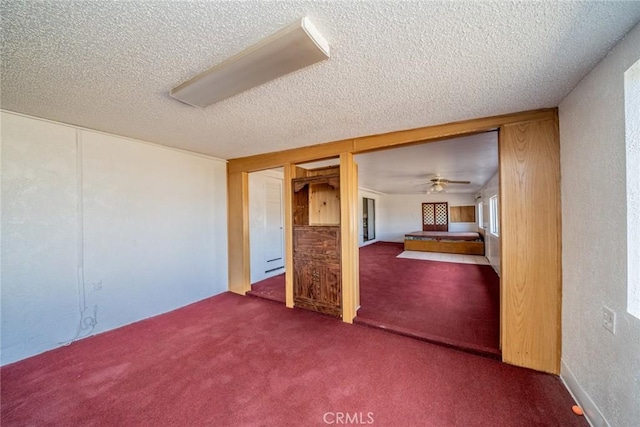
[
  {"x": 440, "y": 289},
  {"x": 266, "y": 228},
  {"x": 274, "y": 226},
  {"x": 529, "y": 148}
]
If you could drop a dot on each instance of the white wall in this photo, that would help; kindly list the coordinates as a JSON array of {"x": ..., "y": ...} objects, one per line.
[
  {"x": 602, "y": 369},
  {"x": 257, "y": 222},
  {"x": 146, "y": 225},
  {"x": 362, "y": 193},
  {"x": 402, "y": 213},
  {"x": 39, "y": 236},
  {"x": 491, "y": 242}
]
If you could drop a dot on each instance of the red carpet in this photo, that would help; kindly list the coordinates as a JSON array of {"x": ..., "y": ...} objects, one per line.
[
  {"x": 271, "y": 289},
  {"x": 457, "y": 305},
  {"x": 237, "y": 361},
  {"x": 452, "y": 304}
]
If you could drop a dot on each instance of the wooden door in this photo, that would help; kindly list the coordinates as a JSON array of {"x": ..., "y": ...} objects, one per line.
[{"x": 435, "y": 216}]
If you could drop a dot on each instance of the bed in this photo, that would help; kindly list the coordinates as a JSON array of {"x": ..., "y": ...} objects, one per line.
[{"x": 468, "y": 243}]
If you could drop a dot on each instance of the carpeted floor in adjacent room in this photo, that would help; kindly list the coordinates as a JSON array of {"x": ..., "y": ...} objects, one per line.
[
  {"x": 457, "y": 305},
  {"x": 448, "y": 303}
]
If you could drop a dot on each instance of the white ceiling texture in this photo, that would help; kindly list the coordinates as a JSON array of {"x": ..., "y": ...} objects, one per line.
[
  {"x": 408, "y": 170},
  {"x": 394, "y": 65}
]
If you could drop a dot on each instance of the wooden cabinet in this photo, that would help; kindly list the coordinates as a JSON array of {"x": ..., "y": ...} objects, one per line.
[
  {"x": 317, "y": 283},
  {"x": 317, "y": 276},
  {"x": 462, "y": 214}
]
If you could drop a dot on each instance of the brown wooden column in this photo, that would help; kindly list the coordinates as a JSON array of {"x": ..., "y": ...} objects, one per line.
[
  {"x": 349, "y": 236},
  {"x": 289, "y": 174},
  {"x": 238, "y": 232},
  {"x": 530, "y": 222}
]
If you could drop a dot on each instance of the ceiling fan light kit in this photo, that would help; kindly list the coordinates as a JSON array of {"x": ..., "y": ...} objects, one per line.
[
  {"x": 438, "y": 184},
  {"x": 290, "y": 49}
]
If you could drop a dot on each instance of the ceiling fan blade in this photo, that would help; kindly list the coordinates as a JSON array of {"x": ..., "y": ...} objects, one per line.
[{"x": 458, "y": 182}]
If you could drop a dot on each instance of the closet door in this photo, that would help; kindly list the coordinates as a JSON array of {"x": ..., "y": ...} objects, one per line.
[{"x": 435, "y": 216}]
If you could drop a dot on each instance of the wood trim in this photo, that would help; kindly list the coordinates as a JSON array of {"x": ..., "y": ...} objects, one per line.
[
  {"x": 238, "y": 232},
  {"x": 486, "y": 233},
  {"x": 385, "y": 140},
  {"x": 295, "y": 155},
  {"x": 355, "y": 199},
  {"x": 445, "y": 131},
  {"x": 529, "y": 177},
  {"x": 289, "y": 174},
  {"x": 349, "y": 236},
  {"x": 531, "y": 244}
]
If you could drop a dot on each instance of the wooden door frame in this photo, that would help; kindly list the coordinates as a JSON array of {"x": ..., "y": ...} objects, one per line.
[{"x": 531, "y": 340}]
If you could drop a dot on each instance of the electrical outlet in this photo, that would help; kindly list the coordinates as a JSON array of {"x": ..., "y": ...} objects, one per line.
[
  {"x": 609, "y": 320},
  {"x": 97, "y": 286}
]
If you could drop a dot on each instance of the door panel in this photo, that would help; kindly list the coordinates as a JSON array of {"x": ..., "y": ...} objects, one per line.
[
  {"x": 317, "y": 285},
  {"x": 435, "y": 216},
  {"x": 274, "y": 239}
]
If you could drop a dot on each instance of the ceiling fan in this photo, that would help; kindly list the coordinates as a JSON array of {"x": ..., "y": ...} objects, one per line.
[{"x": 439, "y": 183}]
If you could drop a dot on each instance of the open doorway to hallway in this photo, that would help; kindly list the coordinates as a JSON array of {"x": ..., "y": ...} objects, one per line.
[{"x": 266, "y": 230}]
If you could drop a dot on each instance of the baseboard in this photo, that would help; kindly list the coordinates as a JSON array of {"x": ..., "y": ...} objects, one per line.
[
  {"x": 495, "y": 268},
  {"x": 591, "y": 412},
  {"x": 369, "y": 242}
]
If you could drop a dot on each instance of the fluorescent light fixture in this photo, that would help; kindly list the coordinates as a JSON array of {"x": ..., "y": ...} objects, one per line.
[{"x": 292, "y": 48}]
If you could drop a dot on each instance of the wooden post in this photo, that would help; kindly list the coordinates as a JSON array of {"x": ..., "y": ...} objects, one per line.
[
  {"x": 289, "y": 174},
  {"x": 530, "y": 221},
  {"x": 238, "y": 232},
  {"x": 349, "y": 236}
]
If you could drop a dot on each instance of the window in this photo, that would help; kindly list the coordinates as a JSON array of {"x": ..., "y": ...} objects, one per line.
[
  {"x": 494, "y": 217},
  {"x": 480, "y": 215},
  {"x": 632, "y": 136}
]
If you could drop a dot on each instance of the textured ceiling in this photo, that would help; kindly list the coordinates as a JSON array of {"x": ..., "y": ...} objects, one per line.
[
  {"x": 394, "y": 65},
  {"x": 408, "y": 170}
]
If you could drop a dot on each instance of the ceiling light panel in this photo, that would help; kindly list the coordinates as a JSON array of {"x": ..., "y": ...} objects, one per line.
[{"x": 290, "y": 49}]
